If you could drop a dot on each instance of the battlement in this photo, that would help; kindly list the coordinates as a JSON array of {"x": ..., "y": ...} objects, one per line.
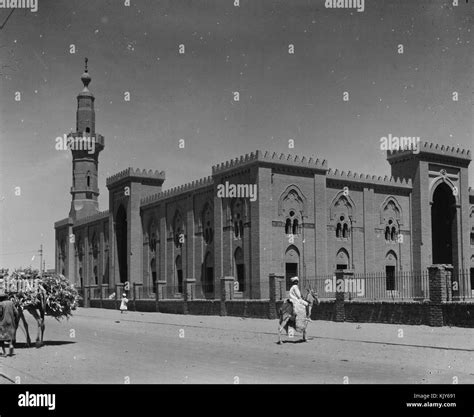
[
  {"x": 370, "y": 179},
  {"x": 433, "y": 149},
  {"x": 135, "y": 174},
  {"x": 180, "y": 189},
  {"x": 269, "y": 157},
  {"x": 93, "y": 218}
]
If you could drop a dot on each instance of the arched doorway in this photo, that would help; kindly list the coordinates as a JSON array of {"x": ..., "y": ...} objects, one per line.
[
  {"x": 208, "y": 271},
  {"x": 121, "y": 234},
  {"x": 390, "y": 270},
  {"x": 443, "y": 224},
  {"x": 292, "y": 261},
  {"x": 153, "y": 274},
  {"x": 240, "y": 268},
  {"x": 342, "y": 259},
  {"x": 179, "y": 274}
]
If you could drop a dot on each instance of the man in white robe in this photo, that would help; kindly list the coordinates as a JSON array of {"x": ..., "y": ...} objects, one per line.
[{"x": 299, "y": 305}]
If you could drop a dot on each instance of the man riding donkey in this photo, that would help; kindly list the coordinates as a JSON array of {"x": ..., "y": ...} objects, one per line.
[
  {"x": 296, "y": 311},
  {"x": 298, "y": 302}
]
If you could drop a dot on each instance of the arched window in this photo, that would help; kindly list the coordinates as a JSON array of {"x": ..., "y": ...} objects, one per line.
[
  {"x": 238, "y": 217},
  {"x": 342, "y": 228},
  {"x": 291, "y": 224},
  {"x": 208, "y": 231},
  {"x": 391, "y": 231},
  {"x": 295, "y": 226},
  {"x": 345, "y": 231},
  {"x": 88, "y": 130},
  {"x": 88, "y": 180},
  {"x": 178, "y": 230}
]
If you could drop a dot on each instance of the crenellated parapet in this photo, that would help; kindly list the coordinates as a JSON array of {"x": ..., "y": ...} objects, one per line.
[
  {"x": 91, "y": 219},
  {"x": 181, "y": 189},
  {"x": 369, "y": 179},
  {"x": 432, "y": 149},
  {"x": 272, "y": 158},
  {"x": 132, "y": 174}
]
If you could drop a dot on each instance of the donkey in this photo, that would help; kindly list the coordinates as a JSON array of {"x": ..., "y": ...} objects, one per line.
[
  {"x": 286, "y": 314},
  {"x": 38, "y": 312}
]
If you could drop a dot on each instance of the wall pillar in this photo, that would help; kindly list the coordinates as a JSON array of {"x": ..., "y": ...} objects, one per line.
[
  {"x": 189, "y": 292},
  {"x": 438, "y": 276},
  {"x": 277, "y": 292},
  {"x": 342, "y": 275},
  {"x": 227, "y": 292}
]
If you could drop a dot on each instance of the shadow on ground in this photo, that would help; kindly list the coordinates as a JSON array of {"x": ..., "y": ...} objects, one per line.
[{"x": 22, "y": 345}]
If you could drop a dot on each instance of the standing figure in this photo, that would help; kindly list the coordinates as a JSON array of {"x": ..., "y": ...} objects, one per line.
[
  {"x": 123, "y": 304},
  {"x": 8, "y": 323}
]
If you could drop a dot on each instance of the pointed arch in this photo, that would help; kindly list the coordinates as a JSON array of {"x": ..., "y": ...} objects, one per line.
[
  {"x": 341, "y": 202},
  {"x": 391, "y": 208},
  {"x": 292, "y": 198},
  {"x": 342, "y": 259},
  {"x": 443, "y": 178}
]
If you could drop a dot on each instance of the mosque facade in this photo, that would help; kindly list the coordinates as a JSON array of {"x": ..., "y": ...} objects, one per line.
[{"x": 264, "y": 213}]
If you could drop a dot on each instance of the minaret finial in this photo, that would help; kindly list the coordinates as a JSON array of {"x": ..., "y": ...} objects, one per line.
[{"x": 86, "y": 78}]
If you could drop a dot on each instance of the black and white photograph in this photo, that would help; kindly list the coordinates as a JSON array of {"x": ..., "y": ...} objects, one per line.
[{"x": 270, "y": 193}]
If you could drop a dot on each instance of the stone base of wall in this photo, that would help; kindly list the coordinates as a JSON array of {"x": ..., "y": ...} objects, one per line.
[
  {"x": 458, "y": 314},
  {"x": 387, "y": 312},
  {"x": 394, "y": 312},
  {"x": 248, "y": 308}
]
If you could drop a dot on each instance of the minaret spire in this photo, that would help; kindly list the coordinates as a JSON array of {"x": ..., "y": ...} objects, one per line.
[
  {"x": 85, "y": 189},
  {"x": 86, "y": 78}
]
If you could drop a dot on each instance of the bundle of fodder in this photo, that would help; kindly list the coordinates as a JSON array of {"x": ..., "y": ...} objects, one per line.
[
  {"x": 27, "y": 287},
  {"x": 62, "y": 297}
]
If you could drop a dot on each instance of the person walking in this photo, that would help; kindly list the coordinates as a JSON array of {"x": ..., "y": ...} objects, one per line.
[
  {"x": 123, "y": 304},
  {"x": 8, "y": 323}
]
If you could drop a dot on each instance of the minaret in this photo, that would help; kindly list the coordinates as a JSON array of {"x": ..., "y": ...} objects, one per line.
[{"x": 85, "y": 145}]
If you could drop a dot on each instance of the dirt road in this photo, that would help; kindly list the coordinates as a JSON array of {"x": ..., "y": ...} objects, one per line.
[{"x": 103, "y": 346}]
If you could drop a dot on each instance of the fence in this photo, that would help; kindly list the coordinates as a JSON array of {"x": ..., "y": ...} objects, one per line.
[{"x": 402, "y": 285}]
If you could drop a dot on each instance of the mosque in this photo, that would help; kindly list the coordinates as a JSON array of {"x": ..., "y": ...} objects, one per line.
[{"x": 307, "y": 219}]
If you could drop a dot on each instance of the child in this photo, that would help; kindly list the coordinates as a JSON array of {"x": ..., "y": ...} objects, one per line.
[{"x": 123, "y": 304}]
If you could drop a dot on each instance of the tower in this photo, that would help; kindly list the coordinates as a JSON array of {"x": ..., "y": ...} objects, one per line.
[{"x": 85, "y": 145}]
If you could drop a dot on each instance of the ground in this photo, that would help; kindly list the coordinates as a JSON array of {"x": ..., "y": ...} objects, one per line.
[{"x": 104, "y": 346}]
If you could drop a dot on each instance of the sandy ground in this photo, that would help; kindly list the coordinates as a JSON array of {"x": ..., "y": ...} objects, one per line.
[{"x": 104, "y": 346}]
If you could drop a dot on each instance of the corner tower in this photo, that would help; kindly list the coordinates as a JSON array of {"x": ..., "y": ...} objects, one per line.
[{"x": 85, "y": 145}]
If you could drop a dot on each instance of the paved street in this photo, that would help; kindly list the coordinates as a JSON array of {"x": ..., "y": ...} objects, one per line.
[{"x": 103, "y": 346}]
